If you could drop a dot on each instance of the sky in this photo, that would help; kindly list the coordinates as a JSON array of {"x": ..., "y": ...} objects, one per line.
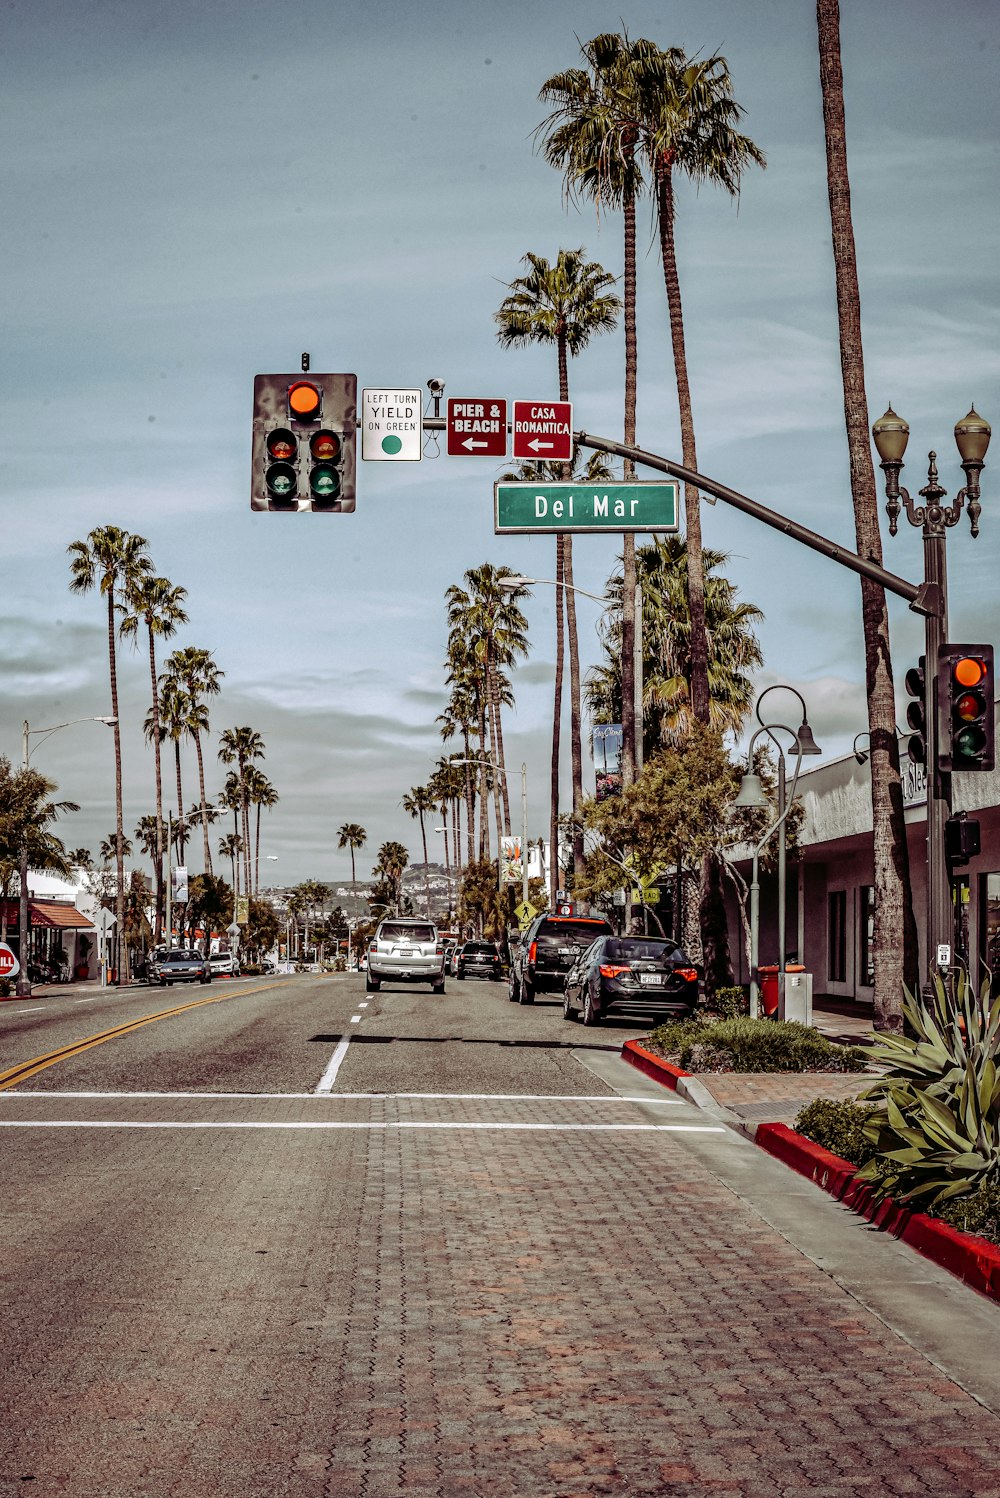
[{"x": 196, "y": 194}]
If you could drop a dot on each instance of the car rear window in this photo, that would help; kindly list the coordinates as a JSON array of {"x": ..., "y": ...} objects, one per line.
[
  {"x": 180, "y": 954},
  {"x": 397, "y": 931},
  {"x": 570, "y": 933},
  {"x": 640, "y": 948},
  {"x": 472, "y": 947}
]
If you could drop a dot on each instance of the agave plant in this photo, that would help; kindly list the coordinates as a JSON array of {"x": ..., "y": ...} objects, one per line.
[{"x": 937, "y": 1129}]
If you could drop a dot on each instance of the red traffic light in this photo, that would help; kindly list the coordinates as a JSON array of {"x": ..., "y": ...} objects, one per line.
[
  {"x": 968, "y": 671},
  {"x": 965, "y": 708},
  {"x": 325, "y": 447},
  {"x": 305, "y": 401},
  {"x": 281, "y": 445}
]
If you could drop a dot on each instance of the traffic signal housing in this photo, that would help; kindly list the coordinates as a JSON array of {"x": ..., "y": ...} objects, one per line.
[
  {"x": 916, "y": 712},
  {"x": 966, "y": 733},
  {"x": 304, "y": 443}
]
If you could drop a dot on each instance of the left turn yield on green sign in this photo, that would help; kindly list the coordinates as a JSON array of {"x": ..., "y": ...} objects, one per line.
[{"x": 391, "y": 425}]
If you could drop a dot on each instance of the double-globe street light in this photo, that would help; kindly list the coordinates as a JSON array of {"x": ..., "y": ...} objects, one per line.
[
  {"x": 972, "y": 438},
  {"x": 23, "y": 987},
  {"x": 751, "y": 795}
]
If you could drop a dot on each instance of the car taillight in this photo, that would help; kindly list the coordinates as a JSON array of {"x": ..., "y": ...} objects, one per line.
[
  {"x": 608, "y": 971},
  {"x": 373, "y": 947},
  {"x": 439, "y": 952},
  {"x": 532, "y": 950},
  {"x": 690, "y": 973}
]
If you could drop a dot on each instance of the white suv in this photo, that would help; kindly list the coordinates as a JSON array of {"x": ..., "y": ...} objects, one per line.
[
  {"x": 405, "y": 950},
  {"x": 224, "y": 963}
]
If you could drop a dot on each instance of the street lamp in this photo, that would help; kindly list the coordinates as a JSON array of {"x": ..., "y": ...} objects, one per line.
[
  {"x": 751, "y": 794},
  {"x": 972, "y": 437},
  {"x": 491, "y": 764},
  {"x": 23, "y": 986}
]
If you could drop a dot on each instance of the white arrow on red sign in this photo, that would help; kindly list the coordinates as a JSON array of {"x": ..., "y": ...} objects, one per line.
[
  {"x": 543, "y": 429},
  {"x": 477, "y": 426}
]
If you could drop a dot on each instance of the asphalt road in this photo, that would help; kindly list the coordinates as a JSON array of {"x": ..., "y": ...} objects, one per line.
[{"x": 278, "y": 1236}]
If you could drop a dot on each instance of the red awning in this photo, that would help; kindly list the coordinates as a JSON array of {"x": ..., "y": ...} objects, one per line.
[{"x": 51, "y": 914}]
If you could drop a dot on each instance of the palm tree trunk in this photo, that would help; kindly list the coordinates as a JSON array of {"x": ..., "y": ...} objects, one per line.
[
  {"x": 576, "y": 749},
  {"x": 122, "y": 965},
  {"x": 158, "y": 882},
  {"x": 484, "y": 795},
  {"x": 256, "y": 855},
  {"x": 700, "y": 703},
  {"x": 470, "y": 799},
  {"x": 204, "y": 804},
  {"x": 180, "y": 800},
  {"x": 427, "y": 882},
  {"x": 629, "y": 758},
  {"x": 895, "y": 935},
  {"x": 556, "y": 728},
  {"x": 498, "y": 756}
]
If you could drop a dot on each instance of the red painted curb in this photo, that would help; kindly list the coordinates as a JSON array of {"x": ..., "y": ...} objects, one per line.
[
  {"x": 653, "y": 1066},
  {"x": 972, "y": 1259}
]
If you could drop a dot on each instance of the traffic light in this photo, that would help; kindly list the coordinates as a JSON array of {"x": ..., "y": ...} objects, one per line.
[
  {"x": 961, "y": 839},
  {"x": 916, "y": 712},
  {"x": 304, "y": 442},
  {"x": 965, "y": 708}
]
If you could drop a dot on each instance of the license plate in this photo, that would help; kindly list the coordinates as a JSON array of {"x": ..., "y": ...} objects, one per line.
[
  {"x": 567, "y": 951},
  {"x": 652, "y": 980}
]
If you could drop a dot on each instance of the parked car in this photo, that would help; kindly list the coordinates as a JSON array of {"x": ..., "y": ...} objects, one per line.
[
  {"x": 405, "y": 950},
  {"x": 550, "y": 946},
  {"x": 153, "y": 960},
  {"x": 645, "y": 975},
  {"x": 224, "y": 964},
  {"x": 477, "y": 959},
  {"x": 182, "y": 965}
]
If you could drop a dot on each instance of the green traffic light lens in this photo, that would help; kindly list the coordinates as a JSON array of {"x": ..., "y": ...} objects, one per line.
[
  {"x": 970, "y": 743},
  {"x": 324, "y": 481},
  {"x": 281, "y": 481}
]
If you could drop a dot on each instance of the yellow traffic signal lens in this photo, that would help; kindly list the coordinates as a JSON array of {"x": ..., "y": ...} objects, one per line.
[
  {"x": 969, "y": 707},
  {"x": 969, "y": 672},
  {"x": 325, "y": 447},
  {"x": 304, "y": 400},
  {"x": 281, "y": 445}
]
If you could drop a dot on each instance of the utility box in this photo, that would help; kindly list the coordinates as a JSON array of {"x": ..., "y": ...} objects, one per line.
[{"x": 795, "y": 996}]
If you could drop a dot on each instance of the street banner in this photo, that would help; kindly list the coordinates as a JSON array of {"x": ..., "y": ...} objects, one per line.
[
  {"x": 608, "y": 739},
  {"x": 511, "y": 861},
  {"x": 242, "y": 910},
  {"x": 180, "y": 889}
]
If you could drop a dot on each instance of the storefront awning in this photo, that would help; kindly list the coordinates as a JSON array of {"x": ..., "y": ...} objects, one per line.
[{"x": 47, "y": 914}]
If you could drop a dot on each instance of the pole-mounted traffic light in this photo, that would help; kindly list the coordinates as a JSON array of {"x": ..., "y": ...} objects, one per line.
[
  {"x": 304, "y": 442},
  {"x": 916, "y": 712},
  {"x": 966, "y": 739}
]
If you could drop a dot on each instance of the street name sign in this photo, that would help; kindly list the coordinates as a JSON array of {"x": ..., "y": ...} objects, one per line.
[
  {"x": 391, "y": 426},
  {"x": 525, "y": 508},
  {"x": 477, "y": 428},
  {"x": 543, "y": 430}
]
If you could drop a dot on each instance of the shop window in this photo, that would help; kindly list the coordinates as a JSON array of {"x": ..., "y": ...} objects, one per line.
[
  {"x": 989, "y": 927},
  {"x": 866, "y": 935},
  {"x": 837, "y": 943}
]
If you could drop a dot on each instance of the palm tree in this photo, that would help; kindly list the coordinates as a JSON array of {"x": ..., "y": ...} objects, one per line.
[
  {"x": 81, "y": 858},
  {"x": 201, "y": 677},
  {"x": 242, "y": 746},
  {"x": 593, "y": 133},
  {"x": 566, "y": 304},
  {"x": 688, "y": 125},
  {"x": 895, "y": 935},
  {"x": 260, "y": 792},
  {"x": 417, "y": 801},
  {"x": 175, "y": 708},
  {"x": 108, "y": 848},
  {"x": 156, "y": 603},
  {"x": 459, "y": 717},
  {"x": 231, "y": 846},
  {"x": 352, "y": 835},
  {"x": 389, "y": 865},
  {"x": 734, "y": 652},
  {"x": 112, "y": 560}
]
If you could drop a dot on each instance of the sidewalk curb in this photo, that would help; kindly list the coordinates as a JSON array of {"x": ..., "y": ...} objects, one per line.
[{"x": 973, "y": 1260}]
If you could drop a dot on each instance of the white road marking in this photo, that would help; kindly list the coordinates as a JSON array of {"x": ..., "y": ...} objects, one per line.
[
  {"x": 362, "y": 1003},
  {"x": 356, "y": 1019},
  {"x": 558, "y": 1128},
  {"x": 36, "y": 1010},
  {"x": 339, "y": 1097},
  {"x": 336, "y": 1061}
]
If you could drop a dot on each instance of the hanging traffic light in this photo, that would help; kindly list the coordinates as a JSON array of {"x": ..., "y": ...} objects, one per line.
[
  {"x": 965, "y": 708},
  {"x": 916, "y": 711},
  {"x": 304, "y": 443}
]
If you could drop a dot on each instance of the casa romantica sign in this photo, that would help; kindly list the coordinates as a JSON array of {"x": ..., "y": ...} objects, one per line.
[{"x": 542, "y": 508}]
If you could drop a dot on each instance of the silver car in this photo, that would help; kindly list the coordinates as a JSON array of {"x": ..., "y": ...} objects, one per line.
[{"x": 405, "y": 950}]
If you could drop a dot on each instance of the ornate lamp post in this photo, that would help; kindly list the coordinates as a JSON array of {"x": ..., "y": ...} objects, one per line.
[{"x": 972, "y": 437}]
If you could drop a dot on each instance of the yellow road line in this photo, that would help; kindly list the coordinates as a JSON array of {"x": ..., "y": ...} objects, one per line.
[{"x": 26, "y": 1069}]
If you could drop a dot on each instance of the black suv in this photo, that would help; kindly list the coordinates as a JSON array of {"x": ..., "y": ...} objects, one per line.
[
  {"x": 478, "y": 959},
  {"x": 547, "y": 951}
]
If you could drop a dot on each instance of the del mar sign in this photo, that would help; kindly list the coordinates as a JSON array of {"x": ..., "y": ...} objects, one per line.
[{"x": 526, "y": 507}]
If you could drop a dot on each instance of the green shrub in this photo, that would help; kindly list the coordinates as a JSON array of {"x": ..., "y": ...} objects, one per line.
[
  {"x": 838, "y": 1127},
  {"x": 978, "y": 1213},
  {"x": 936, "y": 1129},
  {"x": 731, "y": 1003},
  {"x": 755, "y": 1045},
  {"x": 6, "y": 988}
]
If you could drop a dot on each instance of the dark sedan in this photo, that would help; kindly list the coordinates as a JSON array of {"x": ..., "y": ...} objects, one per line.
[
  {"x": 478, "y": 959},
  {"x": 630, "y": 975},
  {"x": 183, "y": 965}
]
